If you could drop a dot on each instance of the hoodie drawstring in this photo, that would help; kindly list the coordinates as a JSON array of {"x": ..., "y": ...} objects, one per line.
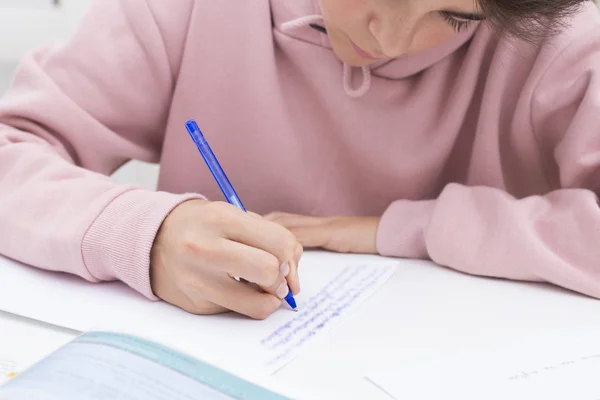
[
  {"x": 347, "y": 71},
  {"x": 301, "y": 22},
  {"x": 366, "y": 84}
]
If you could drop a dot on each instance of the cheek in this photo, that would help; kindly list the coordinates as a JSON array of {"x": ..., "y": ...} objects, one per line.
[{"x": 431, "y": 37}]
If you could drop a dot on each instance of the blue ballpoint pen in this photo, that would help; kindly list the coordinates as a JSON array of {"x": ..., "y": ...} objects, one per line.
[{"x": 221, "y": 178}]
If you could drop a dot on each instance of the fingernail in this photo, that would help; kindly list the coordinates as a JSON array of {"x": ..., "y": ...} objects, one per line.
[
  {"x": 282, "y": 290},
  {"x": 285, "y": 269},
  {"x": 298, "y": 280}
]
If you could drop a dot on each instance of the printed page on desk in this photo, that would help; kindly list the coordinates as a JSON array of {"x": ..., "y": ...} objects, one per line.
[
  {"x": 103, "y": 365},
  {"x": 333, "y": 286},
  {"x": 562, "y": 365}
]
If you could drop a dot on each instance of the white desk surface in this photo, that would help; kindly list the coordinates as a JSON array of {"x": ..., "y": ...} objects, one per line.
[{"x": 423, "y": 311}]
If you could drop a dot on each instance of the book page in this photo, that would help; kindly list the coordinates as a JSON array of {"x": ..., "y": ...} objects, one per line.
[
  {"x": 8, "y": 369},
  {"x": 557, "y": 366},
  {"x": 24, "y": 342},
  {"x": 102, "y": 365}
]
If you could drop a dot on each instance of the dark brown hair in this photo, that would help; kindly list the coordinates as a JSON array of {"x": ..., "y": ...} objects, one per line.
[{"x": 530, "y": 20}]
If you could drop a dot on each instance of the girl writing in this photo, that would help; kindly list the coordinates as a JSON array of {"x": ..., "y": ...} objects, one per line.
[{"x": 457, "y": 131}]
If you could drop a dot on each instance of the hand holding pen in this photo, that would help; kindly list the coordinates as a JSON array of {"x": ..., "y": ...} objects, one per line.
[
  {"x": 201, "y": 245},
  {"x": 229, "y": 192}
]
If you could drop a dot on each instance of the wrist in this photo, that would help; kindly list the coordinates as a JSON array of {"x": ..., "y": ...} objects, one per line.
[{"x": 118, "y": 243}]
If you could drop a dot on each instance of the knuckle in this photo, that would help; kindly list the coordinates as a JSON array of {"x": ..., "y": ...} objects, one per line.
[
  {"x": 269, "y": 269},
  {"x": 222, "y": 214},
  {"x": 289, "y": 243}
]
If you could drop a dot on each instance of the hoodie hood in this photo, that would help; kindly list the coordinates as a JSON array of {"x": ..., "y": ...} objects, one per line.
[{"x": 294, "y": 17}]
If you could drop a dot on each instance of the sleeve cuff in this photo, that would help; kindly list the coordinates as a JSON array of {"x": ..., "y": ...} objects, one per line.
[
  {"x": 118, "y": 243},
  {"x": 401, "y": 231}
]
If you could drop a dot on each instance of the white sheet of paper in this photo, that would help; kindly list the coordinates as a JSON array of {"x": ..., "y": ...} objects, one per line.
[
  {"x": 559, "y": 366},
  {"x": 343, "y": 292},
  {"x": 332, "y": 287}
]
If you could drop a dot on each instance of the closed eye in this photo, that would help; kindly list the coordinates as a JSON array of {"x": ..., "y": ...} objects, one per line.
[{"x": 458, "y": 20}]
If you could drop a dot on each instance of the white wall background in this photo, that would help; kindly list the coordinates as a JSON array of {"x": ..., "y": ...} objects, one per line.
[{"x": 26, "y": 24}]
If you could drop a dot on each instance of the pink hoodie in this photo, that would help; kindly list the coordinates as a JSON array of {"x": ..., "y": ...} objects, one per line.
[{"x": 482, "y": 154}]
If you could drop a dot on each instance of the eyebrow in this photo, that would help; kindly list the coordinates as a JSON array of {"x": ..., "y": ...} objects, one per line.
[{"x": 469, "y": 16}]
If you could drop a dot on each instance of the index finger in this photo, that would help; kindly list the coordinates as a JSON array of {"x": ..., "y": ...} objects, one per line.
[{"x": 262, "y": 234}]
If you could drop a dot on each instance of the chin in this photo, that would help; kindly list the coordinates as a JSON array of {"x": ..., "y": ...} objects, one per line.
[
  {"x": 354, "y": 60},
  {"x": 359, "y": 63}
]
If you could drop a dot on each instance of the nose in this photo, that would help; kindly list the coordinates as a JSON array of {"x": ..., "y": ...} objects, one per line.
[{"x": 394, "y": 31}]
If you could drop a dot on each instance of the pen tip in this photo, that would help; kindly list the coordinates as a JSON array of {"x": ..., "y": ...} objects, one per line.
[{"x": 295, "y": 309}]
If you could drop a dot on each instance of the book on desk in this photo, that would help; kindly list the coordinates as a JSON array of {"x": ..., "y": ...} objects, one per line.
[{"x": 109, "y": 365}]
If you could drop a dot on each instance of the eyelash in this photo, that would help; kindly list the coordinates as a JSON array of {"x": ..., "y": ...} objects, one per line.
[{"x": 456, "y": 24}]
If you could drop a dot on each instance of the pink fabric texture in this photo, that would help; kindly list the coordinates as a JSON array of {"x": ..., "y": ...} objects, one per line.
[{"x": 482, "y": 154}]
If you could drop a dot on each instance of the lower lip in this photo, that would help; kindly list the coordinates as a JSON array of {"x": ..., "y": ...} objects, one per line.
[{"x": 363, "y": 53}]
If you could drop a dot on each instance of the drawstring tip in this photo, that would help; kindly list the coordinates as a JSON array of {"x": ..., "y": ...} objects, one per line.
[{"x": 347, "y": 81}]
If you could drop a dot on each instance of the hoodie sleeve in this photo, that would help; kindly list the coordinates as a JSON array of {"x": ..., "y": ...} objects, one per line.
[
  {"x": 552, "y": 238},
  {"x": 73, "y": 115}
]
